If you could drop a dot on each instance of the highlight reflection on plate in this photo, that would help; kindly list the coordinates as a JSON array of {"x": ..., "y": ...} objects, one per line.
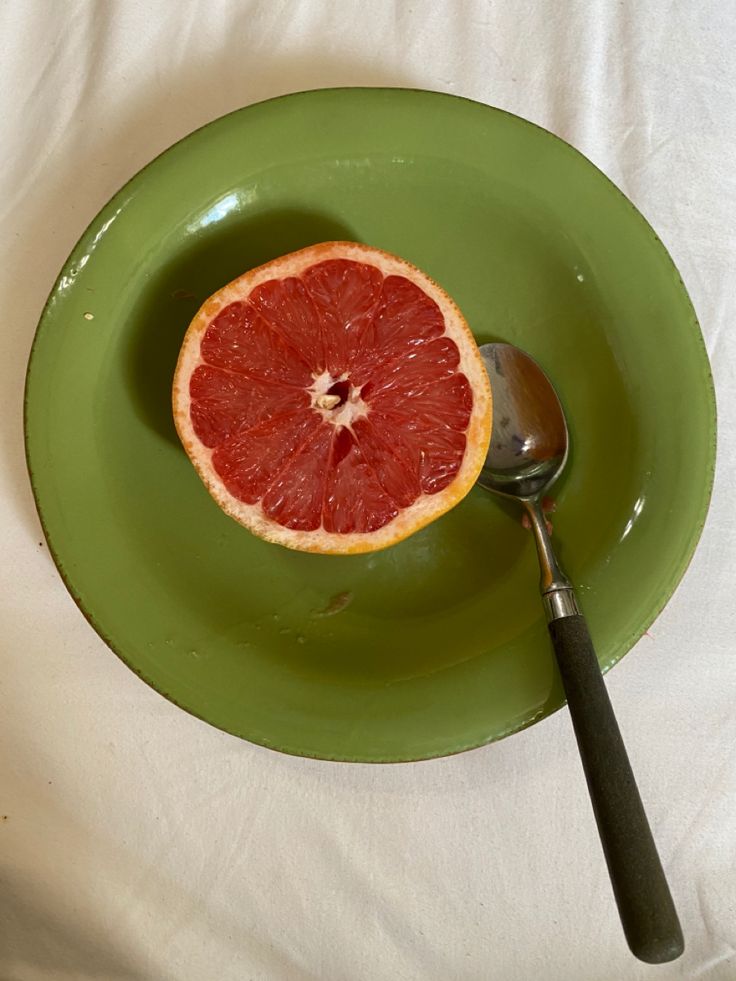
[{"x": 437, "y": 644}]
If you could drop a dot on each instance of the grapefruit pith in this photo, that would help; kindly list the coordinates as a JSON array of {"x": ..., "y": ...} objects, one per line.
[{"x": 333, "y": 400}]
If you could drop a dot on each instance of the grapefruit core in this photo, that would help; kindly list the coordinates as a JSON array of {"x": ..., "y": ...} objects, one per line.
[{"x": 333, "y": 400}]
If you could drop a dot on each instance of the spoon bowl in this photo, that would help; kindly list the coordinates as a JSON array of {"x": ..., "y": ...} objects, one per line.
[{"x": 529, "y": 442}]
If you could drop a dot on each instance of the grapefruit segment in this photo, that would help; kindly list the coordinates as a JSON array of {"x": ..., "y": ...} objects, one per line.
[
  {"x": 413, "y": 373},
  {"x": 447, "y": 402},
  {"x": 346, "y": 295},
  {"x": 223, "y": 402},
  {"x": 250, "y": 461},
  {"x": 333, "y": 400},
  {"x": 405, "y": 318},
  {"x": 398, "y": 474},
  {"x": 355, "y": 501},
  {"x": 288, "y": 309},
  {"x": 238, "y": 339},
  {"x": 433, "y": 452},
  {"x": 295, "y": 498}
]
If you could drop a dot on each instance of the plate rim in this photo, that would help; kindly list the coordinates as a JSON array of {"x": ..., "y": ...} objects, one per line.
[{"x": 626, "y": 643}]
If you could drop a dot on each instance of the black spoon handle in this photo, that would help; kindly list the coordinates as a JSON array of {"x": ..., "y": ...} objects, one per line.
[{"x": 643, "y": 897}]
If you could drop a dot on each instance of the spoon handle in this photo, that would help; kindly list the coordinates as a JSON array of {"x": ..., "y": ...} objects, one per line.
[{"x": 643, "y": 897}]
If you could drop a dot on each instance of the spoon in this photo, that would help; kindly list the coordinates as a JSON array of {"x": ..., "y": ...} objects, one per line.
[{"x": 528, "y": 451}]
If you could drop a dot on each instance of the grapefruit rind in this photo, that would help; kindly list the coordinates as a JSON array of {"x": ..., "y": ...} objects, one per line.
[{"x": 427, "y": 507}]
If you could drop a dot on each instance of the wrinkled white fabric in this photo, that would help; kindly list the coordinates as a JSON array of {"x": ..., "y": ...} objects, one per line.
[{"x": 137, "y": 843}]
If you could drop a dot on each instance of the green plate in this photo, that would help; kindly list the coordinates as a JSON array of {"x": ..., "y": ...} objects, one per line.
[{"x": 438, "y": 644}]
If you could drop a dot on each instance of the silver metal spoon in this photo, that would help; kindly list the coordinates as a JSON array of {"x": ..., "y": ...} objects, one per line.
[{"x": 528, "y": 451}]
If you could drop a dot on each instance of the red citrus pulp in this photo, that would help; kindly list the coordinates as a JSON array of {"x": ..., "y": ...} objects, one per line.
[{"x": 333, "y": 400}]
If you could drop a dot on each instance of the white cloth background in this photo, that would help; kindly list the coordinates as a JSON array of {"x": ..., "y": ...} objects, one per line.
[{"x": 137, "y": 843}]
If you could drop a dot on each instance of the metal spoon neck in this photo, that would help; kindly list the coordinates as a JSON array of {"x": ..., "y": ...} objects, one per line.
[{"x": 557, "y": 592}]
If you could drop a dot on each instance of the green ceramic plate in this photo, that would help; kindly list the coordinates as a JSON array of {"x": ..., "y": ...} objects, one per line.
[{"x": 437, "y": 644}]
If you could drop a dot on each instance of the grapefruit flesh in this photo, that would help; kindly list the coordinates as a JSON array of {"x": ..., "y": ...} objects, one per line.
[{"x": 333, "y": 400}]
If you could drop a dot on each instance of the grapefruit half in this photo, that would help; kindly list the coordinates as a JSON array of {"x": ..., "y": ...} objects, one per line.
[{"x": 333, "y": 400}]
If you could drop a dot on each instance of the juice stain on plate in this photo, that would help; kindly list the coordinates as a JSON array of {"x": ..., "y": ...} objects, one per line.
[{"x": 337, "y": 604}]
